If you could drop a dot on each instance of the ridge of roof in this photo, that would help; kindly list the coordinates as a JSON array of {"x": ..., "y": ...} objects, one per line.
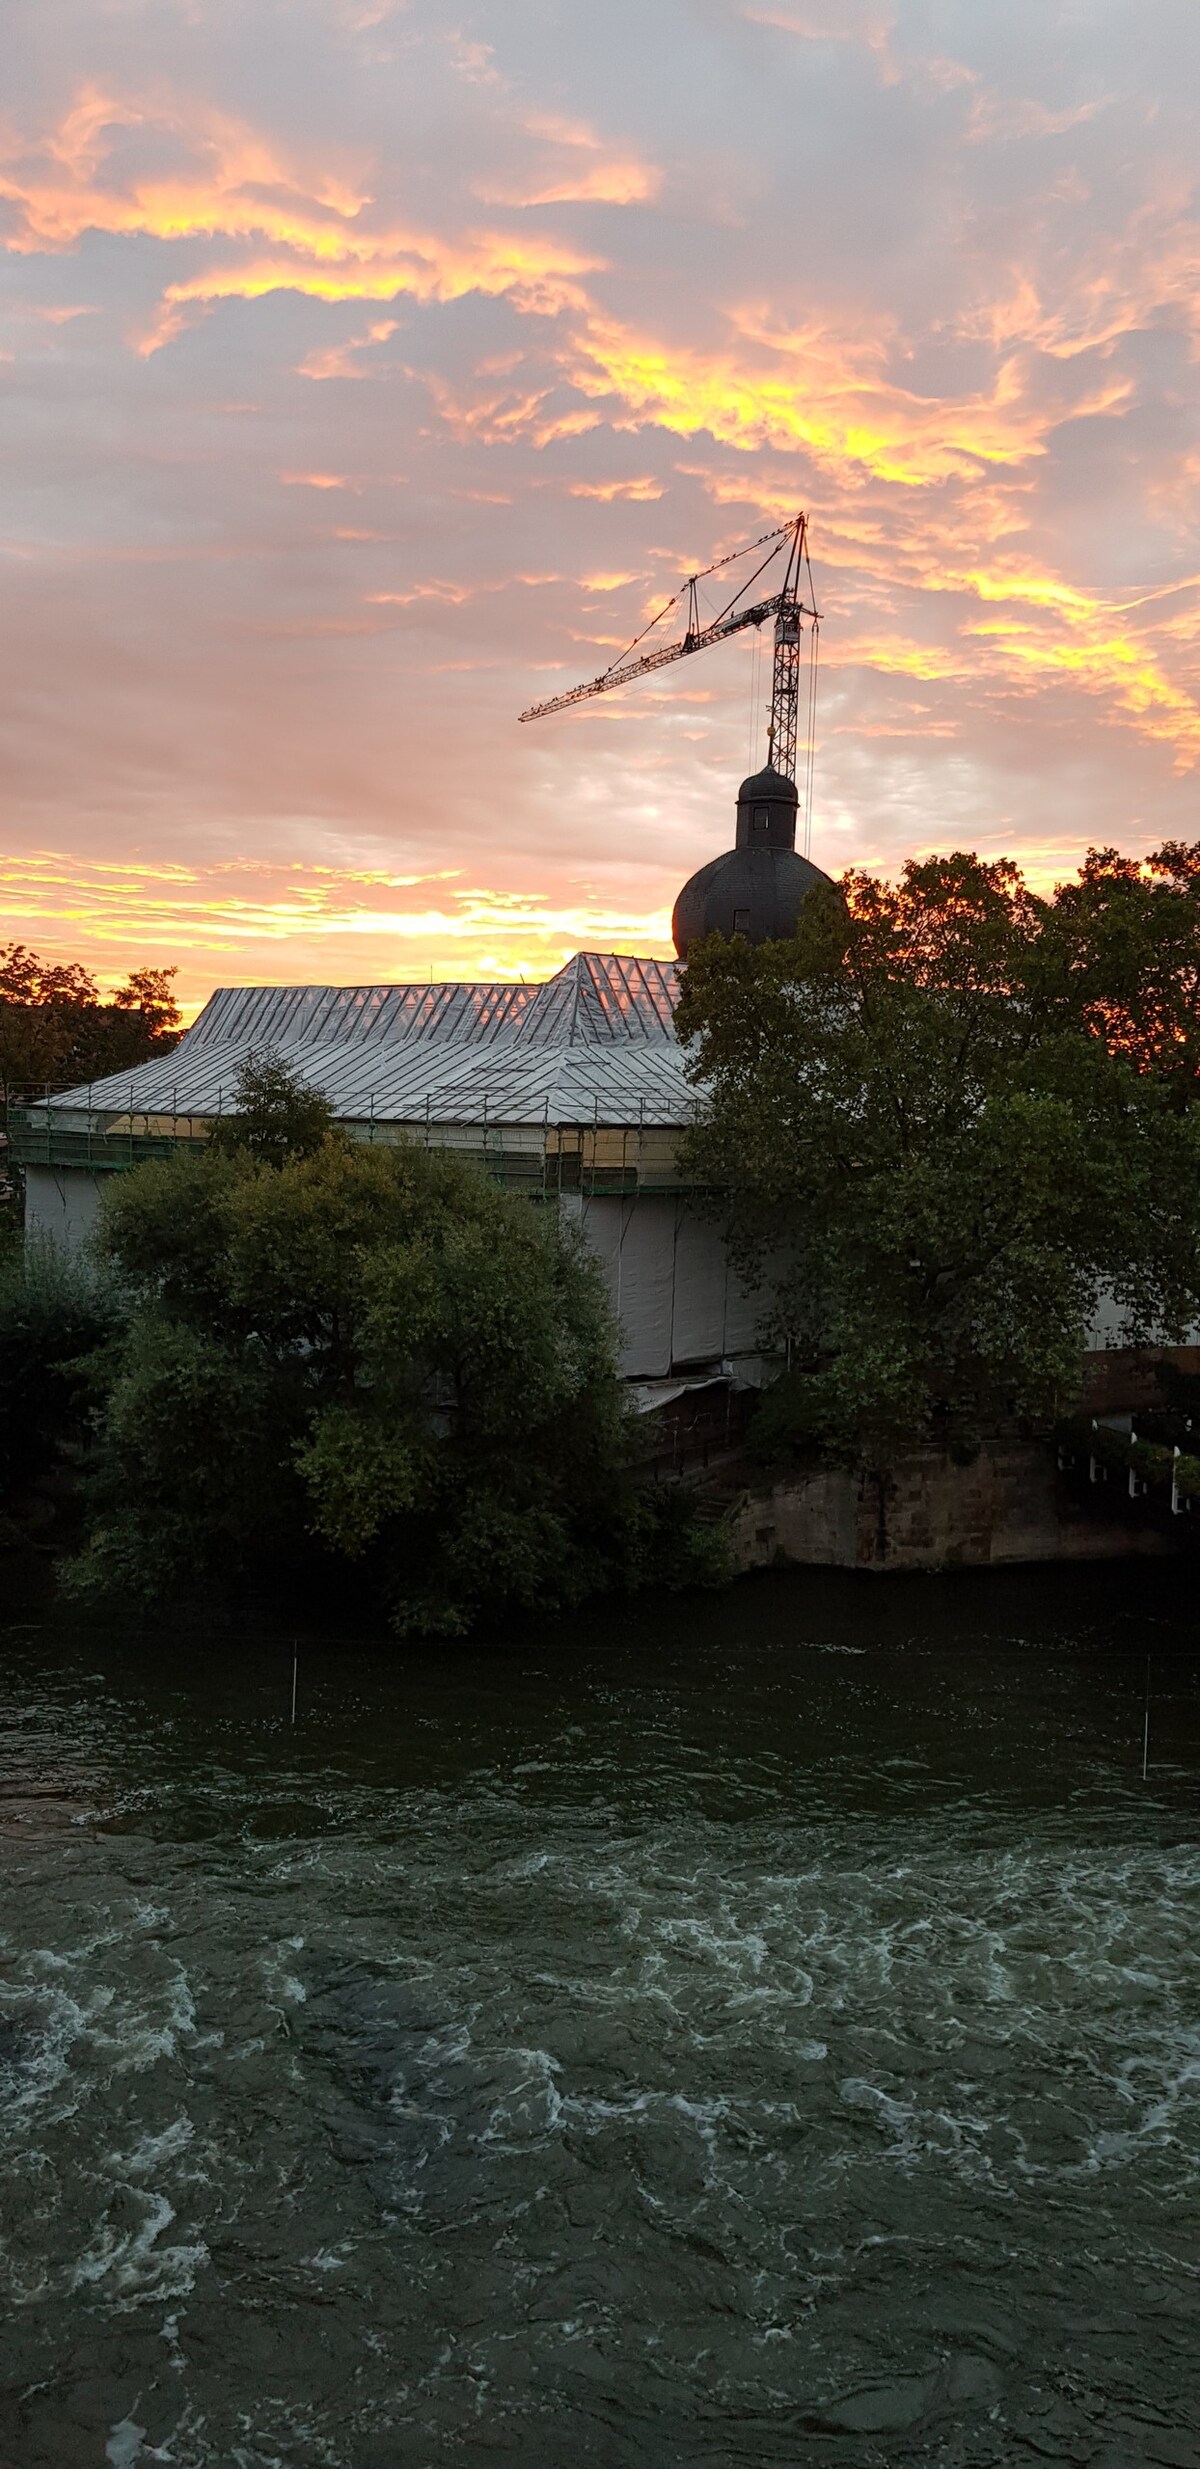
[{"x": 595, "y": 997}]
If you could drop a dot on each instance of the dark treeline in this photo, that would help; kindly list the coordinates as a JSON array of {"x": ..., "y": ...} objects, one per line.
[{"x": 55, "y": 1027}]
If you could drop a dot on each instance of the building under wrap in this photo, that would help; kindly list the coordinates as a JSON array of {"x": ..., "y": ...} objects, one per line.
[{"x": 574, "y": 1091}]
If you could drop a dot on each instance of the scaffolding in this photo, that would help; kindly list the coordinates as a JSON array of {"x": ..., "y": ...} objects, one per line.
[{"x": 589, "y": 1159}]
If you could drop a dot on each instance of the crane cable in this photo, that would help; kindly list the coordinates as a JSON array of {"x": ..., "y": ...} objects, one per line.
[
  {"x": 715, "y": 568},
  {"x": 813, "y": 657},
  {"x": 813, "y": 652}
]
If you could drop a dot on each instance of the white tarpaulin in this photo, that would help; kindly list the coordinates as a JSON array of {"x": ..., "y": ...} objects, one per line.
[{"x": 670, "y": 1283}]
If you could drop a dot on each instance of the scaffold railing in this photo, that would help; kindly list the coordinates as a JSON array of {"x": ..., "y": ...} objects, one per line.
[{"x": 591, "y": 1160}]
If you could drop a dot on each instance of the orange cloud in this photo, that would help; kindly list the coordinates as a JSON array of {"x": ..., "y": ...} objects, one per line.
[
  {"x": 536, "y": 274},
  {"x": 238, "y": 189},
  {"x": 813, "y": 389},
  {"x": 639, "y": 491},
  {"x": 577, "y": 169},
  {"x": 604, "y": 184},
  {"x": 1070, "y": 634},
  {"x": 1002, "y": 116},
  {"x": 892, "y": 655},
  {"x": 342, "y": 359},
  {"x": 943, "y": 475},
  {"x": 241, "y": 922},
  {"x": 1118, "y": 285},
  {"x": 825, "y": 21}
]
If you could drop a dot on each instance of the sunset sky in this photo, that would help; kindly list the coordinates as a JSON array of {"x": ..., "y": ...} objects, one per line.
[{"x": 372, "y": 370}]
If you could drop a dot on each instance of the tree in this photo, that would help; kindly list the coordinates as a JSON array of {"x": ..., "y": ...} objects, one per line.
[
  {"x": 275, "y": 1115},
  {"x": 356, "y": 1359},
  {"x": 40, "y": 1008},
  {"x": 55, "y": 1028},
  {"x": 149, "y": 994},
  {"x": 1119, "y": 955},
  {"x": 54, "y": 1313},
  {"x": 931, "y": 1157}
]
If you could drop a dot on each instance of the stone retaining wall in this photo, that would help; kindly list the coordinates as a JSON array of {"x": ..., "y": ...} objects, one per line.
[{"x": 926, "y": 1513}]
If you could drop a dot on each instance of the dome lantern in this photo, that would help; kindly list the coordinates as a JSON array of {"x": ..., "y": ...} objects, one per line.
[{"x": 766, "y": 811}]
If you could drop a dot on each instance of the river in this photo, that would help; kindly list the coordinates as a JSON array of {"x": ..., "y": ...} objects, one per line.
[{"x": 756, "y": 2030}]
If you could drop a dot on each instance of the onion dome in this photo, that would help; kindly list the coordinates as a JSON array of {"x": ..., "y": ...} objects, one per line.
[{"x": 758, "y": 888}]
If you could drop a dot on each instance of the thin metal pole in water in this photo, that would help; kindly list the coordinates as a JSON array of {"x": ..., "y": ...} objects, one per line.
[
  {"x": 1146, "y": 1725},
  {"x": 295, "y": 1669}
]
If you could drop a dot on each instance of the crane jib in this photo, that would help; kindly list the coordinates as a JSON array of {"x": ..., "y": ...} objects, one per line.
[{"x": 786, "y": 607}]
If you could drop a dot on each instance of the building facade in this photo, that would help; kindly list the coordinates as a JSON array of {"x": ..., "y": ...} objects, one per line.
[{"x": 574, "y": 1092}]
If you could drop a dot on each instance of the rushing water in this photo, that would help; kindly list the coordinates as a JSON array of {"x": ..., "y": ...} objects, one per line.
[{"x": 765, "y": 2031}]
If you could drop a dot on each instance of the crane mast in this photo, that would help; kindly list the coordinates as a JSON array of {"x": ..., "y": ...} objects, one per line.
[{"x": 786, "y": 606}]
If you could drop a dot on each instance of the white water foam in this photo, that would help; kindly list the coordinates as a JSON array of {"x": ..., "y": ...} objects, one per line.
[{"x": 132, "y": 2264}]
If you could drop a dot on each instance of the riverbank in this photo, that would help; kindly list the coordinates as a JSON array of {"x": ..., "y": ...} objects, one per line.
[{"x": 1013, "y": 1503}]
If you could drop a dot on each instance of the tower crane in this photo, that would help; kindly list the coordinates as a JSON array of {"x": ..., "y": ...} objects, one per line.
[{"x": 786, "y": 605}]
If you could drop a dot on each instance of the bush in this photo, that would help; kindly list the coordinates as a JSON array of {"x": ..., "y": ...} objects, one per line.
[
  {"x": 1151, "y": 1461},
  {"x": 54, "y": 1313},
  {"x": 1187, "y": 1477}
]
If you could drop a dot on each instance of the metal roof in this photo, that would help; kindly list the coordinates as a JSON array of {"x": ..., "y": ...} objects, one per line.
[
  {"x": 596, "y": 1045},
  {"x": 332, "y": 1015},
  {"x": 597, "y": 997}
]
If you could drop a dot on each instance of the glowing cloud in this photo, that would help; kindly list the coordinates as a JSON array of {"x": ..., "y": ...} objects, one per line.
[
  {"x": 253, "y": 600},
  {"x": 237, "y": 188},
  {"x": 227, "y": 923}
]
